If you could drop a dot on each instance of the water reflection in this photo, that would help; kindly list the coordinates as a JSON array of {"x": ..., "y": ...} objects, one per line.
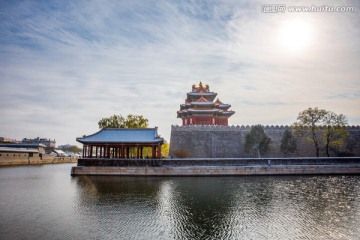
[
  {"x": 324, "y": 207},
  {"x": 47, "y": 203}
]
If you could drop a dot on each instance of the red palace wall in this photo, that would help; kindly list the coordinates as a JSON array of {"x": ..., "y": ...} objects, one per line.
[{"x": 205, "y": 121}]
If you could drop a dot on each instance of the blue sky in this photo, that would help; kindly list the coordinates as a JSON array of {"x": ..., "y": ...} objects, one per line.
[{"x": 64, "y": 65}]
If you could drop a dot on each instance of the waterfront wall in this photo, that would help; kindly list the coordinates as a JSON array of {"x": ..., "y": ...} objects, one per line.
[
  {"x": 24, "y": 159},
  {"x": 217, "y": 166},
  {"x": 228, "y": 141},
  {"x": 180, "y": 162},
  {"x": 218, "y": 170}
]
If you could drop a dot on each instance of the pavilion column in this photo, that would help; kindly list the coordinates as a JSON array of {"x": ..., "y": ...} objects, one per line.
[
  {"x": 159, "y": 151},
  {"x": 90, "y": 151},
  {"x": 122, "y": 151},
  {"x": 127, "y": 152},
  {"x": 96, "y": 151},
  {"x": 153, "y": 152},
  {"x": 137, "y": 151},
  {"x": 83, "y": 153},
  {"x": 141, "y": 152}
]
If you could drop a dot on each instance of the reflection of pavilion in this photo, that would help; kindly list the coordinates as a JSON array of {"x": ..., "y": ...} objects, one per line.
[{"x": 122, "y": 143}]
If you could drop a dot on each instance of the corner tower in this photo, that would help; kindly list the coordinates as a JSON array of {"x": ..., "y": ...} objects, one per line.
[{"x": 201, "y": 109}]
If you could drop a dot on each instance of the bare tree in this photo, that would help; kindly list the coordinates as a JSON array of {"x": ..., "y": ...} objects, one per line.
[{"x": 334, "y": 131}]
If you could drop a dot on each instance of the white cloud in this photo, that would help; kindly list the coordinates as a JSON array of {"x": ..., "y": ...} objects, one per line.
[{"x": 65, "y": 66}]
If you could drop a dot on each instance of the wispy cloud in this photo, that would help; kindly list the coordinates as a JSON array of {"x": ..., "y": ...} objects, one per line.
[{"x": 64, "y": 66}]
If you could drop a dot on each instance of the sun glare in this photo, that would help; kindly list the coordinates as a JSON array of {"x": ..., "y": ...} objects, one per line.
[{"x": 295, "y": 35}]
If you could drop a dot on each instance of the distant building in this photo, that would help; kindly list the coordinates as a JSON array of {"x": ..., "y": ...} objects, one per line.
[
  {"x": 29, "y": 146},
  {"x": 201, "y": 109},
  {"x": 59, "y": 153},
  {"x": 67, "y": 146},
  {"x": 10, "y": 155},
  {"x": 8, "y": 140},
  {"x": 49, "y": 144}
]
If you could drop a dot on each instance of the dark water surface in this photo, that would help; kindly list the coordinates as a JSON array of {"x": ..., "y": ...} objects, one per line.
[{"x": 45, "y": 202}]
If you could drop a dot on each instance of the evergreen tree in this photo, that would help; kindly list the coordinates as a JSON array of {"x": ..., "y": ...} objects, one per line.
[
  {"x": 257, "y": 142},
  {"x": 288, "y": 144}
]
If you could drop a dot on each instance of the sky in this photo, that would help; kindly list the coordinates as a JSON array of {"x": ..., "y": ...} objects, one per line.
[{"x": 64, "y": 65}]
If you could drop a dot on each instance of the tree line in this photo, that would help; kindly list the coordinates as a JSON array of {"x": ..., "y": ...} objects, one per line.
[{"x": 325, "y": 129}]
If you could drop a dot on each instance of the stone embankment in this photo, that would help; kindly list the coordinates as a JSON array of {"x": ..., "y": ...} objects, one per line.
[
  {"x": 217, "y": 167},
  {"x": 45, "y": 159}
]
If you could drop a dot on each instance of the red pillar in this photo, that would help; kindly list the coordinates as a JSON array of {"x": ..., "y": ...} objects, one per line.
[
  {"x": 83, "y": 154},
  {"x": 137, "y": 151},
  {"x": 122, "y": 151},
  {"x": 153, "y": 152},
  {"x": 159, "y": 151}
]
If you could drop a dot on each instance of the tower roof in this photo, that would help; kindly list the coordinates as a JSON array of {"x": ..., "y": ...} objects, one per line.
[
  {"x": 202, "y": 101},
  {"x": 123, "y": 135},
  {"x": 201, "y": 88},
  {"x": 200, "y": 106}
]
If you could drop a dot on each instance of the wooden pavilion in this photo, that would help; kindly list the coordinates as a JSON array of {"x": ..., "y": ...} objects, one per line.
[{"x": 122, "y": 143}]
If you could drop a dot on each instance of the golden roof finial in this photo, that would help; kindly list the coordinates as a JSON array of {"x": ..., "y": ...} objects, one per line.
[{"x": 200, "y": 85}]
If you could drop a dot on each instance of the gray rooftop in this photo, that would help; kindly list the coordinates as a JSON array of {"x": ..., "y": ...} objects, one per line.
[
  {"x": 123, "y": 135},
  {"x": 22, "y": 145},
  {"x": 18, "y": 150}
]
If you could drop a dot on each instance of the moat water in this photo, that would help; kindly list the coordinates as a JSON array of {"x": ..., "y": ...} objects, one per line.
[{"x": 45, "y": 202}]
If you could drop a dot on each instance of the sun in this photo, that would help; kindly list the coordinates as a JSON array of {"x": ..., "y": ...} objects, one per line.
[{"x": 295, "y": 35}]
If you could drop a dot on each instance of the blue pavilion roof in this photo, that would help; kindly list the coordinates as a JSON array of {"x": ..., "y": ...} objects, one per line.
[{"x": 123, "y": 135}]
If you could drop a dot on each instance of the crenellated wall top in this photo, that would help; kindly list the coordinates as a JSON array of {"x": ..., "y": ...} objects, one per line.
[{"x": 237, "y": 127}]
